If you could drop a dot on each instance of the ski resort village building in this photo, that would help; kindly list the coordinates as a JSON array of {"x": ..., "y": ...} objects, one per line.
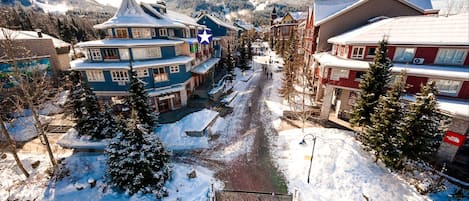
[
  {"x": 427, "y": 48},
  {"x": 282, "y": 27},
  {"x": 161, "y": 45},
  {"x": 227, "y": 32}
]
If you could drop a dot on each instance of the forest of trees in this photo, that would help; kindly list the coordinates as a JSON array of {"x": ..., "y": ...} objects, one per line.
[{"x": 73, "y": 27}]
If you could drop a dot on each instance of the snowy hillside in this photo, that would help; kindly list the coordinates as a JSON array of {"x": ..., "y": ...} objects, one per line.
[{"x": 61, "y": 6}]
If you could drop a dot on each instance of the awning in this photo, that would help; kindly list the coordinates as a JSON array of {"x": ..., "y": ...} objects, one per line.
[
  {"x": 166, "y": 90},
  {"x": 206, "y": 66}
]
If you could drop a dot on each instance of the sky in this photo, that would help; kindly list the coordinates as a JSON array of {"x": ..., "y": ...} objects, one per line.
[{"x": 438, "y": 4}]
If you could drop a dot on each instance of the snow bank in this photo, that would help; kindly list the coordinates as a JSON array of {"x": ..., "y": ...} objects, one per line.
[
  {"x": 174, "y": 135},
  {"x": 341, "y": 170},
  {"x": 84, "y": 167},
  {"x": 73, "y": 141}
]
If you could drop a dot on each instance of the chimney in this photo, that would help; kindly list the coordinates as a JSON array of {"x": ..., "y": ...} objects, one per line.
[{"x": 39, "y": 32}]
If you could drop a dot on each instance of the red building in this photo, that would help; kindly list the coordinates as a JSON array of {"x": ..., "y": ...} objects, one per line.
[{"x": 426, "y": 47}]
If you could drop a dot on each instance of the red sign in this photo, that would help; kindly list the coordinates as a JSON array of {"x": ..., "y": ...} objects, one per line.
[{"x": 454, "y": 138}]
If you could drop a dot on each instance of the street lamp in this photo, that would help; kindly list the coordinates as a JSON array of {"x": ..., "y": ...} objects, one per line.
[{"x": 303, "y": 142}]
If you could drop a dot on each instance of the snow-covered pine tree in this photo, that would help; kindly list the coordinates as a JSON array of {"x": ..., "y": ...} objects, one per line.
[
  {"x": 109, "y": 125},
  {"x": 138, "y": 101},
  {"x": 372, "y": 86},
  {"x": 73, "y": 105},
  {"x": 383, "y": 135},
  {"x": 90, "y": 123},
  {"x": 421, "y": 126},
  {"x": 249, "y": 48},
  {"x": 137, "y": 161}
]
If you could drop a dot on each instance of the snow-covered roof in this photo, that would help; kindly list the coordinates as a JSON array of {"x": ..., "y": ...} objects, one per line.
[
  {"x": 175, "y": 17},
  {"x": 411, "y": 30},
  {"x": 325, "y": 10},
  {"x": 188, "y": 40},
  {"x": 28, "y": 35},
  {"x": 219, "y": 22},
  {"x": 444, "y": 72},
  {"x": 166, "y": 90},
  {"x": 128, "y": 43},
  {"x": 206, "y": 66},
  {"x": 81, "y": 64},
  {"x": 453, "y": 107},
  {"x": 299, "y": 15},
  {"x": 130, "y": 14}
]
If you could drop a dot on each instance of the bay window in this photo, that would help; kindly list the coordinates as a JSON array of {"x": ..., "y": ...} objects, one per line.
[
  {"x": 95, "y": 75},
  {"x": 159, "y": 74},
  {"x": 146, "y": 53},
  {"x": 404, "y": 55},
  {"x": 144, "y": 33},
  {"x": 451, "y": 56},
  {"x": 120, "y": 75}
]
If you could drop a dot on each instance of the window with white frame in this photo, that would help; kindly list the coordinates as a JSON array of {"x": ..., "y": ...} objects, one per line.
[
  {"x": 121, "y": 33},
  {"x": 120, "y": 75},
  {"x": 404, "y": 54},
  {"x": 159, "y": 74},
  {"x": 448, "y": 87},
  {"x": 171, "y": 32},
  {"x": 357, "y": 52},
  {"x": 95, "y": 75},
  {"x": 96, "y": 54},
  {"x": 451, "y": 56},
  {"x": 174, "y": 69},
  {"x": 146, "y": 53},
  {"x": 110, "y": 54},
  {"x": 144, "y": 33},
  {"x": 142, "y": 73},
  {"x": 124, "y": 54},
  {"x": 371, "y": 52},
  {"x": 336, "y": 74},
  {"x": 163, "y": 32},
  {"x": 334, "y": 49}
]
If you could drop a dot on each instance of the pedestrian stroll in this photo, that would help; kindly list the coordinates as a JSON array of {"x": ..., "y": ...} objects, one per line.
[{"x": 270, "y": 75}]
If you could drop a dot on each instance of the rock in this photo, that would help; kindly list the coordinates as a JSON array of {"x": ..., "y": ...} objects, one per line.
[
  {"x": 92, "y": 182},
  {"x": 35, "y": 164},
  {"x": 192, "y": 174}
]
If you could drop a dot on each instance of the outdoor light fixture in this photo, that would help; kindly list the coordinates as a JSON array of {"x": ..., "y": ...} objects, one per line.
[{"x": 303, "y": 142}]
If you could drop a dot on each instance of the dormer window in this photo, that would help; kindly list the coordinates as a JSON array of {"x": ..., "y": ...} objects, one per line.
[
  {"x": 163, "y": 32},
  {"x": 121, "y": 33}
]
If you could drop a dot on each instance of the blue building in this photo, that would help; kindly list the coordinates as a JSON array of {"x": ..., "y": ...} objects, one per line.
[
  {"x": 161, "y": 45},
  {"x": 221, "y": 29}
]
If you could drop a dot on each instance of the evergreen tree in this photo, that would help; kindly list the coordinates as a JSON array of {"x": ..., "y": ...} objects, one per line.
[
  {"x": 383, "y": 135},
  {"x": 137, "y": 161},
  {"x": 74, "y": 100},
  {"x": 229, "y": 61},
  {"x": 138, "y": 101},
  {"x": 293, "y": 61},
  {"x": 109, "y": 125},
  {"x": 242, "y": 55},
  {"x": 249, "y": 48},
  {"x": 421, "y": 126},
  {"x": 372, "y": 86},
  {"x": 90, "y": 123}
]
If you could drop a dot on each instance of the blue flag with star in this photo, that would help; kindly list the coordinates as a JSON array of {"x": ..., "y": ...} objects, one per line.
[{"x": 204, "y": 36}]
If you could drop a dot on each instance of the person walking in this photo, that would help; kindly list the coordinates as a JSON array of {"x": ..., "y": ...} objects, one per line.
[{"x": 271, "y": 75}]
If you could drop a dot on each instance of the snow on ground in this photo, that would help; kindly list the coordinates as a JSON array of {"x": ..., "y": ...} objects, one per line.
[
  {"x": 341, "y": 170},
  {"x": 15, "y": 186},
  {"x": 85, "y": 167},
  {"x": 22, "y": 128},
  {"x": 174, "y": 135},
  {"x": 72, "y": 140}
]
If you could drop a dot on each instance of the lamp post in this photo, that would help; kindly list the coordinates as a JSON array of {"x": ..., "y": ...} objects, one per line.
[{"x": 312, "y": 151}]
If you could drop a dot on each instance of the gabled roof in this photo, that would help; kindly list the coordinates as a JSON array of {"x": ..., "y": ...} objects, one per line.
[
  {"x": 411, "y": 30},
  {"x": 298, "y": 15},
  {"x": 30, "y": 35},
  {"x": 172, "y": 16},
  {"x": 130, "y": 14},
  {"x": 325, "y": 10},
  {"x": 218, "y": 21}
]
